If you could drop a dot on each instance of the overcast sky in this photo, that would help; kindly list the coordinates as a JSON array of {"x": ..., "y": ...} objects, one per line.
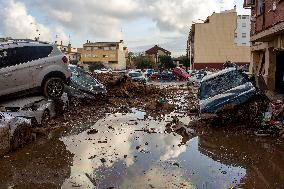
[{"x": 140, "y": 23}]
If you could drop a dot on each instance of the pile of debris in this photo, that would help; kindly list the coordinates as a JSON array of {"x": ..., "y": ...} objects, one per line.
[
  {"x": 272, "y": 120},
  {"x": 123, "y": 86}
]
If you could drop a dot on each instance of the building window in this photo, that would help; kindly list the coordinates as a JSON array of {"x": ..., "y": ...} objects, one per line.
[
  {"x": 106, "y": 48},
  {"x": 244, "y": 17},
  {"x": 236, "y": 35},
  {"x": 244, "y": 25},
  {"x": 95, "y": 48},
  {"x": 112, "y": 48},
  {"x": 95, "y": 56},
  {"x": 260, "y": 7},
  {"x": 244, "y": 44},
  {"x": 88, "y": 48},
  {"x": 244, "y": 35},
  {"x": 105, "y": 56}
]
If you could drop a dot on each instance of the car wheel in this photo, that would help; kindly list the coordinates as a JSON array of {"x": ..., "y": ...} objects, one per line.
[
  {"x": 22, "y": 135},
  {"x": 53, "y": 88},
  {"x": 45, "y": 118}
]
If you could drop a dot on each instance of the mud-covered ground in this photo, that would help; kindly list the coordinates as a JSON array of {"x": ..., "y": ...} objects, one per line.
[{"x": 143, "y": 139}]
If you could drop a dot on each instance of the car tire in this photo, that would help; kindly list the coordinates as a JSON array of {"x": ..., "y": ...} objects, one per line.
[
  {"x": 22, "y": 135},
  {"x": 53, "y": 87}
]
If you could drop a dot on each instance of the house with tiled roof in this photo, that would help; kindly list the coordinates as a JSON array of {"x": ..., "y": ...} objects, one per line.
[{"x": 157, "y": 51}]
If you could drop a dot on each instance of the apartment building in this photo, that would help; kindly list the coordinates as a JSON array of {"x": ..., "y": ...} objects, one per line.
[
  {"x": 267, "y": 37},
  {"x": 111, "y": 54},
  {"x": 242, "y": 33},
  {"x": 219, "y": 39}
]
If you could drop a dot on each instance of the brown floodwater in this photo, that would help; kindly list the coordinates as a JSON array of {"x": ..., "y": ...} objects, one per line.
[{"x": 133, "y": 151}]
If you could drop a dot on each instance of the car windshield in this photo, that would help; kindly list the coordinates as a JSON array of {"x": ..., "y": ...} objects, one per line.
[
  {"x": 82, "y": 78},
  {"x": 220, "y": 84},
  {"x": 135, "y": 74}
]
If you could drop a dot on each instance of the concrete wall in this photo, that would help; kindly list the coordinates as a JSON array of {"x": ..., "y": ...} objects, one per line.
[{"x": 214, "y": 41}]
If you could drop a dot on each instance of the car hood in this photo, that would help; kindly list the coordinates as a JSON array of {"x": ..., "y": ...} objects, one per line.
[{"x": 237, "y": 95}]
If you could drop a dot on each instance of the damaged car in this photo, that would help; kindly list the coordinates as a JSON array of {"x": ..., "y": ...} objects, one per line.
[
  {"x": 37, "y": 108},
  {"x": 33, "y": 67},
  {"x": 15, "y": 132},
  {"x": 137, "y": 77},
  {"x": 225, "y": 90},
  {"x": 83, "y": 85}
]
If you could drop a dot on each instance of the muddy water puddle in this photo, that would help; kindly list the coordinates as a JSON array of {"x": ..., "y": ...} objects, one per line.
[{"x": 133, "y": 151}]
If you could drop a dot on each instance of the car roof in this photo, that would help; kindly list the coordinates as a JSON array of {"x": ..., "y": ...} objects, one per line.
[
  {"x": 211, "y": 76},
  {"x": 22, "y": 43}
]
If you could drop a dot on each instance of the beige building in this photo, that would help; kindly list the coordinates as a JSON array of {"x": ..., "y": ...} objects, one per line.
[
  {"x": 72, "y": 53},
  {"x": 212, "y": 43},
  {"x": 111, "y": 54}
]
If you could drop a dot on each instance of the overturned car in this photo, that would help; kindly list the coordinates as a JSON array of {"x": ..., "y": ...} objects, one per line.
[
  {"x": 229, "y": 95},
  {"x": 83, "y": 85}
]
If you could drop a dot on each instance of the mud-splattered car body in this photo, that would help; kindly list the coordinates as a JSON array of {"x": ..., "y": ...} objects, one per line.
[
  {"x": 15, "y": 131},
  {"x": 83, "y": 85},
  {"x": 37, "y": 108},
  {"x": 227, "y": 87}
]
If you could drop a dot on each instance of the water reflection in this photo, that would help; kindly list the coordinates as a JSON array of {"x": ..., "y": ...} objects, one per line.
[{"x": 124, "y": 154}]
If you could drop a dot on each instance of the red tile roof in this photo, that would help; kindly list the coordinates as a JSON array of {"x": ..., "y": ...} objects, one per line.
[{"x": 154, "y": 50}]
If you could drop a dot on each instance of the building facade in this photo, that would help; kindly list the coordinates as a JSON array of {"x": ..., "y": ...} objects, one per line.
[
  {"x": 242, "y": 33},
  {"x": 69, "y": 51},
  {"x": 267, "y": 37},
  {"x": 212, "y": 43},
  {"x": 155, "y": 52},
  {"x": 111, "y": 54}
]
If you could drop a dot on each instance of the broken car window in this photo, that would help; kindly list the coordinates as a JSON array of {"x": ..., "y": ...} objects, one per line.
[{"x": 221, "y": 84}]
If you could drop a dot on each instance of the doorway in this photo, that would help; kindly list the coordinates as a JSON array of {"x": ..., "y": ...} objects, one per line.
[{"x": 279, "y": 77}]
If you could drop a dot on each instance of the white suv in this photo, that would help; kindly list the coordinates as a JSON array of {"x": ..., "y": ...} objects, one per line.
[{"x": 30, "y": 66}]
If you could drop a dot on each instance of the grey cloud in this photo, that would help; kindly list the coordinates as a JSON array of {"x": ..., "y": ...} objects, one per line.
[{"x": 105, "y": 17}]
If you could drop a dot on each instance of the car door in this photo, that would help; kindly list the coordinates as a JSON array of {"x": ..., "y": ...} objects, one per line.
[
  {"x": 41, "y": 62},
  {"x": 19, "y": 71},
  {"x": 6, "y": 73}
]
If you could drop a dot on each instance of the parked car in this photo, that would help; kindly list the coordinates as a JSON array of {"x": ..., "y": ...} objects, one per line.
[
  {"x": 103, "y": 70},
  {"x": 83, "y": 85},
  {"x": 137, "y": 77},
  {"x": 181, "y": 73},
  {"x": 29, "y": 66},
  {"x": 227, "y": 87},
  {"x": 155, "y": 76},
  {"x": 37, "y": 108},
  {"x": 196, "y": 78},
  {"x": 15, "y": 132},
  {"x": 149, "y": 72},
  {"x": 167, "y": 76}
]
